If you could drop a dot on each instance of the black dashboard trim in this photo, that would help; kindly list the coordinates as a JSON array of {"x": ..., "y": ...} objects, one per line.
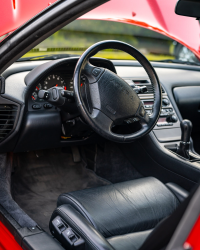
[
  {"x": 39, "y": 130},
  {"x": 2, "y": 85}
]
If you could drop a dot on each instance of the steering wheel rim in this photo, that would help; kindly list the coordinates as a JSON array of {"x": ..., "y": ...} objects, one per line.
[{"x": 102, "y": 116}]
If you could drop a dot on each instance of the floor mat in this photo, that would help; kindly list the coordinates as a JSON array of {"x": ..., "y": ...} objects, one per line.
[
  {"x": 38, "y": 181},
  {"x": 110, "y": 163}
]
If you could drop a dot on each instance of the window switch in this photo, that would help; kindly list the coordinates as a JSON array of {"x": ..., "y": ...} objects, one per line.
[
  {"x": 61, "y": 227},
  {"x": 70, "y": 235},
  {"x": 57, "y": 221},
  {"x": 58, "y": 225}
]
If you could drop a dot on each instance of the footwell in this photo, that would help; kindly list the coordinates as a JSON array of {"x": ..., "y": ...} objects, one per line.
[{"x": 39, "y": 179}]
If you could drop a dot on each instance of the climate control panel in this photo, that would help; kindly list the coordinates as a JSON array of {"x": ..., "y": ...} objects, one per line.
[{"x": 168, "y": 117}]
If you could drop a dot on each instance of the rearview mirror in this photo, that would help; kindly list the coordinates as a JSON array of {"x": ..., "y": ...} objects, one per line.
[{"x": 189, "y": 8}]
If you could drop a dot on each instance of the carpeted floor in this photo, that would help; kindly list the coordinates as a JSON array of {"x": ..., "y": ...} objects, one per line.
[
  {"x": 112, "y": 165},
  {"x": 38, "y": 180}
]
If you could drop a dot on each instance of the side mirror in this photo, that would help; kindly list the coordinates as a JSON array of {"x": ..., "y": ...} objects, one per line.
[{"x": 189, "y": 8}]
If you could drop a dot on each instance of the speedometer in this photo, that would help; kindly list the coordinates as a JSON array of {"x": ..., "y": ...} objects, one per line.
[{"x": 54, "y": 81}]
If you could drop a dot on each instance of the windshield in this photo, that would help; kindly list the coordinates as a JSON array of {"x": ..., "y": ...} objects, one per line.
[{"x": 75, "y": 38}]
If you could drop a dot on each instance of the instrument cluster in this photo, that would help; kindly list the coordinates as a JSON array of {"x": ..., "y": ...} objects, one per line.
[{"x": 55, "y": 80}]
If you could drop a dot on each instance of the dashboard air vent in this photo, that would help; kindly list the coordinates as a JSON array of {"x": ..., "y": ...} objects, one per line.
[
  {"x": 150, "y": 88},
  {"x": 8, "y": 114},
  {"x": 140, "y": 83}
]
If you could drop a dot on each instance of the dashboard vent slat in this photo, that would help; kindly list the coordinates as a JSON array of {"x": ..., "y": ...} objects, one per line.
[
  {"x": 8, "y": 114},
  {"x": 150, "y": 89},
  {"x": 140, "y": 83}
]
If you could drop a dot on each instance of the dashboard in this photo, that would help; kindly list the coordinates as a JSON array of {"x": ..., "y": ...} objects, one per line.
[
  {"x": 35, "y": 124},
  {"x": 61, "y": 76}
]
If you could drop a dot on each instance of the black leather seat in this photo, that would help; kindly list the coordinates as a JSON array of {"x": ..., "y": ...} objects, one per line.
[{"x": 119, "y": 216}]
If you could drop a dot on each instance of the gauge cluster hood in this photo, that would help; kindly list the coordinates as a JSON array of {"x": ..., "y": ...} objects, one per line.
[{"x": 156, "y": 15}]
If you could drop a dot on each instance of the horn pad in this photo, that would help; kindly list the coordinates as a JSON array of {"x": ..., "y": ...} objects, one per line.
[{"x": 118, "y": 99}]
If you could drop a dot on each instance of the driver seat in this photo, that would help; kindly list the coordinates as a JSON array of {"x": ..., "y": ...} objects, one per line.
[{"x": 118, "y": 216}]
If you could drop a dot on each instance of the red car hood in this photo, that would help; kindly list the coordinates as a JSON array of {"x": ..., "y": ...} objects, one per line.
[{"x": 157, "y": 15}]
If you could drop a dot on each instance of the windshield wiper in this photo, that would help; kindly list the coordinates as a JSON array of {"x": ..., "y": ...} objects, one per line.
[
  {"x": 45, "y": 57},
  {"x": 179, "y": 61}
]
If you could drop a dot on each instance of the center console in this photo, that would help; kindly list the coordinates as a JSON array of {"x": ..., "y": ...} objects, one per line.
[
  {"x": 169, "y": 130},
  {"x": 168, "y": 126}
]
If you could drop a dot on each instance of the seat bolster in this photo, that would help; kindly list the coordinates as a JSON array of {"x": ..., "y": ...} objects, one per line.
[
  {"x": 93, "y": 239},
  {"x": 132, "y": 241},
  {"x": 180, "y": 193},
  {"x": 69, "y": 199}
]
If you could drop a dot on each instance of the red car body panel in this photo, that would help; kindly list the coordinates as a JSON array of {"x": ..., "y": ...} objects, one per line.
[
  {"x": 156, "y": 15},
  {"x": 193, "y": 239},
  {"x": 7, "y": 240},
  {"x": 14, "y": 13}
]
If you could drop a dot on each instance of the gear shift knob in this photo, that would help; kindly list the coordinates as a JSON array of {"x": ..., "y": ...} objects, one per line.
[{"x": 186, "y": 129}]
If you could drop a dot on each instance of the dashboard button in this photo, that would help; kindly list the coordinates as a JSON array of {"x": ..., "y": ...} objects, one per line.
[
  {"x": 165, "y": 102},
  {"x": 96, "y": 71},
  {"x": 172, "y": 118},
  {"x": 48, "y": 106},
  {"x": 36, "y": 106}
]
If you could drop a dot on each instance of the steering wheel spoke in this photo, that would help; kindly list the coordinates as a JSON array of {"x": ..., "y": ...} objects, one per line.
[
  {"x": 92, "y": 72},
  {"x": 142, "y": 115},
  {"x": 101, "y": 120}
]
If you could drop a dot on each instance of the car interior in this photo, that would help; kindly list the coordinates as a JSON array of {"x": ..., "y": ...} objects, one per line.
[{"x": 95, "y": 153}]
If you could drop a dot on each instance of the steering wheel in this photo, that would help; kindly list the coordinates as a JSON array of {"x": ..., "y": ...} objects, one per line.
[{"x": 111, "y": 99}]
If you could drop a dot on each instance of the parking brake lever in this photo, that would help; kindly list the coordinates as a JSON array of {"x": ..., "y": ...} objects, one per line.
[{"x": 186, "y": 129}]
